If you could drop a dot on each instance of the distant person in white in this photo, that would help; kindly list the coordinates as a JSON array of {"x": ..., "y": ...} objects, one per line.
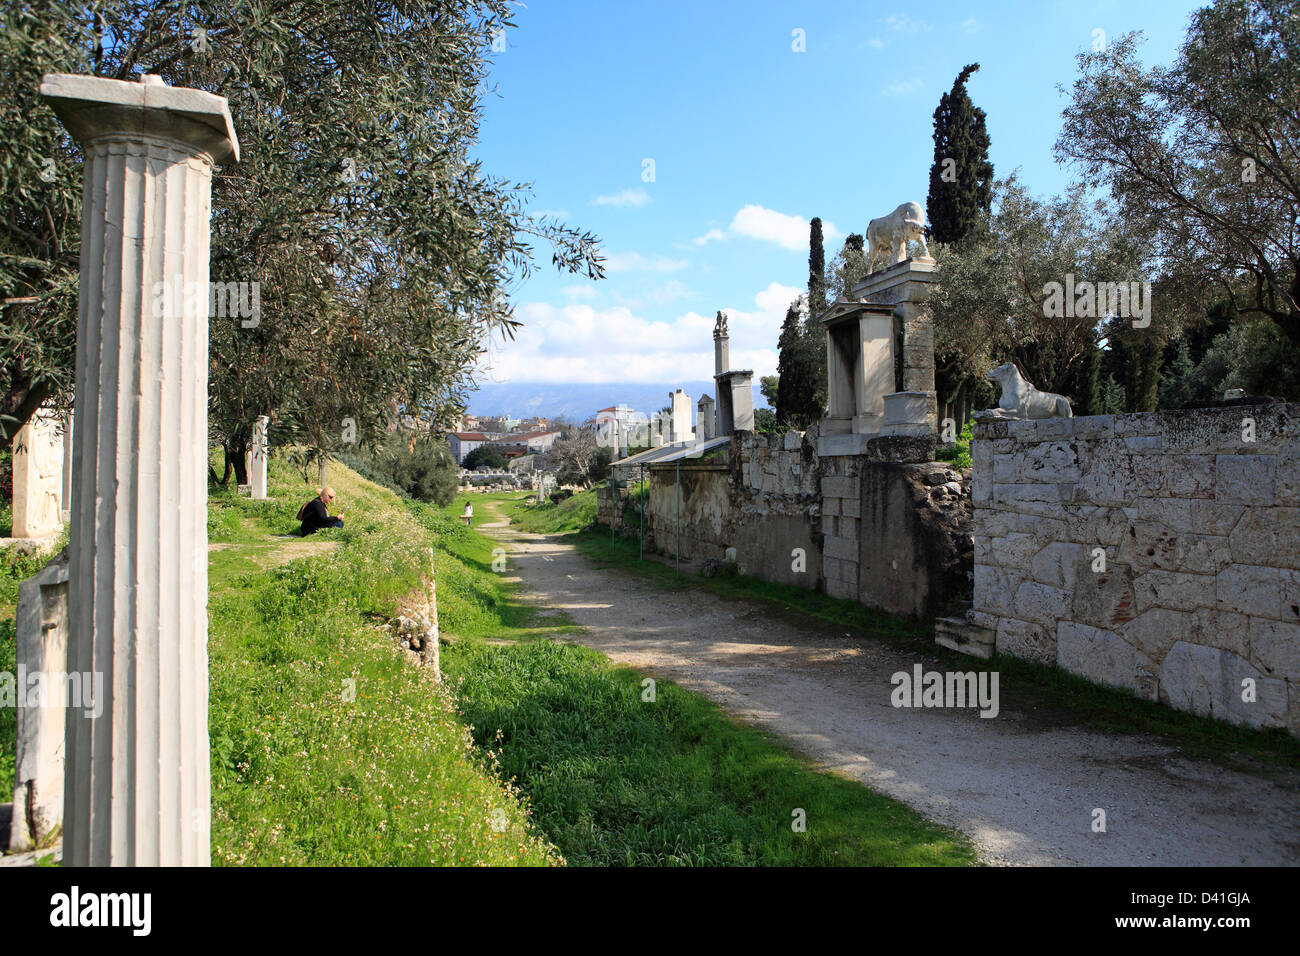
[{"x": 469, "y": 514}]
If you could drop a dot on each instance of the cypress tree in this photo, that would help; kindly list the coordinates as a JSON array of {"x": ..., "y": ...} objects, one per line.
[
  {"x": 789, "y": 366},
  {"x": 816, "y": 269},
  {"x": 812, "y": 348},
  {"x": 961, "y": 177}
]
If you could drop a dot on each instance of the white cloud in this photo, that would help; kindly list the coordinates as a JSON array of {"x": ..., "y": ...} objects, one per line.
[
  {"x": 904, "y": 87},
  {"x": 776, "y": 298},
  {"x": 903, "y": 24},
  {"x": 587, "y": 292},
  {"x": 577, "y": 342},
  {"x": 710, "y": 236},
  {"x": 876, "y": 43},
  {"x": 635, "y": 198},
  {"x": 757, "y": 222},
  {"x": 790, "y": 232},
  {"x": 971, "y": 25}
]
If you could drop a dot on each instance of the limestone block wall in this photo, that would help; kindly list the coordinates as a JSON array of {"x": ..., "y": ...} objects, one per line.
[
  {"x": 607, "y": 509},
  {"x": 775, "y": 522},
  {"x": 704, "y": 507},
  {"x": 841, "y": 489},
  {"x": 1159, "y": 552},
  {"x": 897, "y": 534},
  {"x": 891, "y": 534}
]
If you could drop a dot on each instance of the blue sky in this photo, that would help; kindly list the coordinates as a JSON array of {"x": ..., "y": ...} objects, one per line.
[{"x": 749, "y": 140}]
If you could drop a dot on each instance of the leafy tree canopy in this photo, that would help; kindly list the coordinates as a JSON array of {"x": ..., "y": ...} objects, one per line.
[
  {"x": 380, "y": 247},
  {"x": 1203, "y": 157}
]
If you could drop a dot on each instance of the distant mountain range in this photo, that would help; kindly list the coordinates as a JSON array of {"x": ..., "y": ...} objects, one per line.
[{"x": 580, "y": 402}]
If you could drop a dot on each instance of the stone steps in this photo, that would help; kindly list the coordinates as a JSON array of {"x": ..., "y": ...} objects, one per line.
[{"x": 958, "y": 634}]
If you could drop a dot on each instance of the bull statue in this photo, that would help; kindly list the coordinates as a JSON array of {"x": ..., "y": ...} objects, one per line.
[
  {"x": 1021, "y": 401},
  {"x": 891, "y": 234}
]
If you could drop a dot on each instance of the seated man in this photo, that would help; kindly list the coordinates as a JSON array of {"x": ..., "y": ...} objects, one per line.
[{"x": 315, "y": 515}]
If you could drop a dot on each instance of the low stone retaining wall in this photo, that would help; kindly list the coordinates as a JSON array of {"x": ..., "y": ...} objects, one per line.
[
  {"x": 1159, "y": 552},
  {"x": 698, "y": 517},
  {"x": 891, "y": 534},
  {"x": 606, "y": 509}
]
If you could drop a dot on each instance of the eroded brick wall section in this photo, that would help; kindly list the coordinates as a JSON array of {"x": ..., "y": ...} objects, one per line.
[{"x": 1159, "y": 552}]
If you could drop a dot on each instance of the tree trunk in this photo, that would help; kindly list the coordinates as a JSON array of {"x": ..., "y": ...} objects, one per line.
[
  {"x": 23, "y": 409},
  {"x": 235, "y": 451},
  {"x": 225, "y": 477},
  {"x": 323, "y": 463}
]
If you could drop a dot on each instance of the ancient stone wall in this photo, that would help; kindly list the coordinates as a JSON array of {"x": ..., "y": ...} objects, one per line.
[
  {"x": 699, "y": 517},
  {"x": 606, "y": 510},
  {"x": 816, "y": 522},
  {"x": 1159, "y": 552},
  {"x": 775, "y": 522}
]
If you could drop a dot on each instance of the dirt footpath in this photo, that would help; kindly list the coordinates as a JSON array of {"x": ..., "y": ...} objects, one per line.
[{"x": 1024, "y": 791}]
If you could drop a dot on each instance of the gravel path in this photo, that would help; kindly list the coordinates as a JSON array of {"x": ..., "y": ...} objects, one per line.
[{"x": 1023, "y": 787}]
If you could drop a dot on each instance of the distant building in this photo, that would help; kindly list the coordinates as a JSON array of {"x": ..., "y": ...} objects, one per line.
[
  {"x": 536, "y": 424},
  {"x": 535, "y": 441},
  {"x": 462, "y": 443},
  {"x": 623, "y": 414}
]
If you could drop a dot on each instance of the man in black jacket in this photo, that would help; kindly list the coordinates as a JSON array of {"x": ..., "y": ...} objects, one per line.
[{"x": 315, "y": 515}]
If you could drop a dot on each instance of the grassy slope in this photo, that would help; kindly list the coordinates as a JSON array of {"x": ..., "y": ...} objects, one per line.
[
  {"x": 1051, "y": 695},
  {"x": 571, "y": 514},
  {"x": 328, "y": 745},
  {"x": 616, "y": 779}
]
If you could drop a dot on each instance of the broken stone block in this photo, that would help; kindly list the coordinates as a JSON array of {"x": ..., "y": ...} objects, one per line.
[
  {"x": 960, "y": 635},
  {"x": 1026, "y": 639}
]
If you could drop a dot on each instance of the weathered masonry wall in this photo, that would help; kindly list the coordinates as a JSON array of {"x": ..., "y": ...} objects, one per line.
[
  {"x": 1158, "y": 552},
  {"x": 889, "y": 534},
  {"x": 703, "y": 506},
  {"x": 606, "y": 509},
  {"x": 775, "y": 507}
]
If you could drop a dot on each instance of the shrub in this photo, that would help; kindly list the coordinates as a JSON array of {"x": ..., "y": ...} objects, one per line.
[{"x": 958, "y": 453}]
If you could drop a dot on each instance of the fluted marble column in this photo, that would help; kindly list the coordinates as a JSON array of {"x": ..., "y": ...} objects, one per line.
[
  {"x": 257, "y": 458},
  {"x": 136, "y": 782}
]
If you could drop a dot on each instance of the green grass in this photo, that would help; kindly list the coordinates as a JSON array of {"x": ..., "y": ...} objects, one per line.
[
  {"x": 329, "y": 745},
  {"x": 571, "y": 514},
  {"x": 615, "y": 779},
  {"x": 1052, "y": 696},
  {"x": 958, "y": 453}
]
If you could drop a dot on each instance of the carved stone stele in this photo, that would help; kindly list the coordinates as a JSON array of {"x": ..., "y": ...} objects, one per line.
[{"x": 38, "y": 477}]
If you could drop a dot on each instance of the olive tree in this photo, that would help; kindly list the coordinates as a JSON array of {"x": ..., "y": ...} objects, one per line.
[
  {"x": 377, "y": 247},
  {"x": 1203, "y": 157}
]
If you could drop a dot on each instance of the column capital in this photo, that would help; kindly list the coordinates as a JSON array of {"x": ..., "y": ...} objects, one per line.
[{"x": 92, "y": 107}]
